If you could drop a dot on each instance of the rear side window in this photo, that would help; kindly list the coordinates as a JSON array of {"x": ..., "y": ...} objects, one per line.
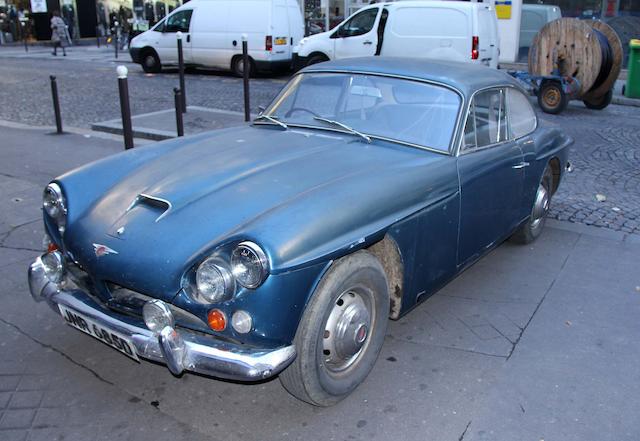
[
  {"x": 522, "y": 117},
  {"x": 486, "y": 121}
]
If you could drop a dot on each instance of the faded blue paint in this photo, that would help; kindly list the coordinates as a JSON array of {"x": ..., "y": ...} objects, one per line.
[{"x": 308, "y": 197}]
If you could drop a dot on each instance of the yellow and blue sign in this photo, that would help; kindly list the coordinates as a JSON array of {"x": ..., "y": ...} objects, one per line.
[{"x": 503, "y": 9}]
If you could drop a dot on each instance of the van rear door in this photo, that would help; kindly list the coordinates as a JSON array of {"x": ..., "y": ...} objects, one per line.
[
  {"x": 488, "y": 36},
  {"x": 280, "y": 30}
]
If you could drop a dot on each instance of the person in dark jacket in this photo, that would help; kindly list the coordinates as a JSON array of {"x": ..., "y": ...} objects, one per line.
[{"x": 58, "y": 33}]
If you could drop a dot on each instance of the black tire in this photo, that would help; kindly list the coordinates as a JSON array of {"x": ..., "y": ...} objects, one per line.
[
  {"x": 317, "y": 376},
  {"x": 318, "y": 58},
  {"x": 551, "y": 97},
  {"x": 599, "y": 103},
  {"x": 150, "y": 61},
  {"x": 532, "y": 228},
  {"x": 237, "y": 67}
]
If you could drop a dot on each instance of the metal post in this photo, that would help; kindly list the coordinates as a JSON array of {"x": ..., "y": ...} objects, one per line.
[
  {"x": 116, "y": 28},
  {"x": 56, "y": 103},
  {"x": 183, "y": 93},
  {"x": 245, "y": 76},
  {"x": 177, "y": 98},
  {"x": 98, "y": 36},
  {"x": 124, "y": 107},
  {"x": 24, "y": 36}
]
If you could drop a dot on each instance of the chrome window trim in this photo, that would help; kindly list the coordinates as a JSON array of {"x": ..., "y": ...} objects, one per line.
[
  {"x": 510, "y": 138},
  {"x": 456, "y": 129}
]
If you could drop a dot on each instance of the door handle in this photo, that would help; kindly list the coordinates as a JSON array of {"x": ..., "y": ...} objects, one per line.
[
  {"x": 188, "y": 38},
  {"x": 521, "y": 165},
  {"x": 367, "y": 42}
]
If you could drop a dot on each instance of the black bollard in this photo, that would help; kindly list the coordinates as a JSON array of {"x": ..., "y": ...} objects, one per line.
[
  {"x": 245, "y": 76},
  {"x": 124, "y": 107},
  {"x": 183, "y": 93},
  {"x": 56, "y": 104},
  {"x": 177, "y": 98}
]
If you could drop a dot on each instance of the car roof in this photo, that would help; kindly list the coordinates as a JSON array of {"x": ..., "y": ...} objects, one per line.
[{"x": 465, "y": 77}]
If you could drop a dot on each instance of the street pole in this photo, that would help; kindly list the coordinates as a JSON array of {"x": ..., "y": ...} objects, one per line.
[
  {"x": 98, "y": 36},
  {"x": 245, "y": 76},
  {"x": 116, "y": 37},
  {"x": 56, "y": 104},
  {"x": 183, "y": 93},
  {"x": 177, "y": 100},
  {"x": 24, "y": 36},
  {"x": 125, "y": 110}
]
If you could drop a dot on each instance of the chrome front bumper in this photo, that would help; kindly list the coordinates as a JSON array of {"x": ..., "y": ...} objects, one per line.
[{"x": 178, "y": 349}]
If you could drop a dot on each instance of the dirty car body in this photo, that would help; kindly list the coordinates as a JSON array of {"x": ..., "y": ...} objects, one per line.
[{"x": 209, "y": 253}]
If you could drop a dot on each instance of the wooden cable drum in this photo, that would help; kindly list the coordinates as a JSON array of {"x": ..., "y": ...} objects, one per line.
[{"x": 588, "y": 51}]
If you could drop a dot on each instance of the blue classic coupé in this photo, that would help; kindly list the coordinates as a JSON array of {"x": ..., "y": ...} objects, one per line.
[{"x": 283, "y": 247}]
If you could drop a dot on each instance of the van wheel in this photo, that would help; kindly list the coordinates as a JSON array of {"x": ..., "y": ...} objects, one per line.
[
  {"x": 150, "y": 62},
  {"x": 319, "y": 58},
  {"x": 341, "y": 331},
  {"x": 237, "y": 66}
]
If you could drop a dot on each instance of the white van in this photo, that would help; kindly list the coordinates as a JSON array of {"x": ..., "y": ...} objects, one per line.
[
  {"x": 534, "y": 17},
  {"x": 212, "y": 35},
  {"x": 443, "y": 30}
]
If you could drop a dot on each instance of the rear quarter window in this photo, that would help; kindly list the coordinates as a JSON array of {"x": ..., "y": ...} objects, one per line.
[{"x": 522, "y": 117}]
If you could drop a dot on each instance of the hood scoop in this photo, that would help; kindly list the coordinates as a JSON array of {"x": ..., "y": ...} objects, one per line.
[{"x": 162, "y": 206}]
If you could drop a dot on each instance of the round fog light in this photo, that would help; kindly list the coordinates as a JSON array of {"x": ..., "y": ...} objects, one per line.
[
  {"x": 157, "y": 315},
  {"x": 241, "y": 322},
  {"x": 53, "y": 264}
]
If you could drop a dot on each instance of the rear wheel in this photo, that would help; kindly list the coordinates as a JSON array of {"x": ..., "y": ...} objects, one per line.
[
  {"x": 341, "y": 331},
  {"x": 150, "y": 62},
  {"x": 532, "y": 228},
  {"x": 551, "y": 97},
  {"x": 237, "y": 66}
]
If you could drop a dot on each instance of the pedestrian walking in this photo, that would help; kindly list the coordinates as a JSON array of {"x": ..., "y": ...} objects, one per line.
[{"x": 58, "y": 33}]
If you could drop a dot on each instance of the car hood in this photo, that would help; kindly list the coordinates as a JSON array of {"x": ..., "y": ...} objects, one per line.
[{"x": 300, "y": 194}]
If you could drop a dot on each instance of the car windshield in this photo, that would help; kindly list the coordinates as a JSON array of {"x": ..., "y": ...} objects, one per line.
[{"x": 398, "y": 109}]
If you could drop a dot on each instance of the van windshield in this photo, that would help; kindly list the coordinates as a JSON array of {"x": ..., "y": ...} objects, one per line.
[{"x": 397, "y": 109}]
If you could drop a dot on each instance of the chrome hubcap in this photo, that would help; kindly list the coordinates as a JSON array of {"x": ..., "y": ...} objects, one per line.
[
  {"x": 540, "y": 206},
  {"x": 149, "y": 61},
  {"x": 347, "y": 330}
]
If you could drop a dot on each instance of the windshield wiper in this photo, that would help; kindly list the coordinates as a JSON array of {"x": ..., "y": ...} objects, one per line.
[
  {"x": 273, "y": 120},
  {"x": 346, "y": 127}
]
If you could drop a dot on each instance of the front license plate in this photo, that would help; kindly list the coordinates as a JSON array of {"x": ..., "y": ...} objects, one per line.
[{"x": 105, "y": 335}]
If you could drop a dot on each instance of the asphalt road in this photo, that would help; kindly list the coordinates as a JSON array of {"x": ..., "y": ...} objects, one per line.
[
  {"x": 539, "y": 342},
  {"x": 603, "y": 191}
]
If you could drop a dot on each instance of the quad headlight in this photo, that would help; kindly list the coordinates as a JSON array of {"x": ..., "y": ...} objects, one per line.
[
  {"x": 54, "y": 204},
  {"x": 214, "y": 281},
  {"x": 249, "y": 264}
]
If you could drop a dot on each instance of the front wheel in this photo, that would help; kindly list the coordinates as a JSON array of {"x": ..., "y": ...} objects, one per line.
[
  {"x": 532, "y": 228},
  {"x": 151, "y": 62},
  {"x": 341, "y": 331}
]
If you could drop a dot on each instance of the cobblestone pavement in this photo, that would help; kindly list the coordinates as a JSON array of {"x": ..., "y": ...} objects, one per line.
[{"x": 606, "y": 155}]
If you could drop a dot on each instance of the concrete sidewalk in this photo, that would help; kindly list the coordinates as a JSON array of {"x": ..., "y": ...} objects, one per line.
[{"x": 531, "y": 343}]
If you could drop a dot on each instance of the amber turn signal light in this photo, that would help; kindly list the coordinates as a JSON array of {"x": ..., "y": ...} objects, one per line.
[{"x": 217, "y": 320}]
